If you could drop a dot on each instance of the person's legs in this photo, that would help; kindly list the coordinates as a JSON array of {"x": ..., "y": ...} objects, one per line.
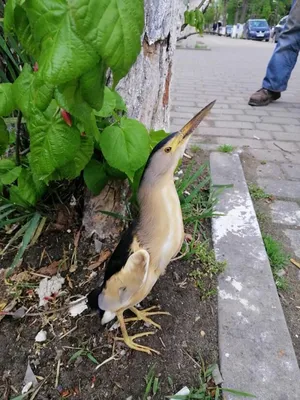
[{"x": 282, "y": 61}]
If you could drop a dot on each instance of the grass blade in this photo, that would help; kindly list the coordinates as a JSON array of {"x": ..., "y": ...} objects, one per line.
[
  {"x": 92, "y": 358},
  {"x": 33, "y": 224},
  {"x": 16, "y": 236},
  {"x": 76, "y": 355},
  {"x": 237, "y": 393},
  {"x": 115, "y": 215},
  {"x": 13, "y": 220}
]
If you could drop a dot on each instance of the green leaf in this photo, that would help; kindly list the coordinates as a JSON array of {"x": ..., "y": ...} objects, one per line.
[
  {"x": 69, "y": 97},
  {"x": 92, "y": 85},
  {"x": 125, "y": 147},
  {"x": 65, "y": 51},
  {"x": 95, "y": 176},
  {"x": 238, "y": 393},
  {"x": 23, "y": 30},
  {"x": 92, "y": 358},
  {"x": 80, "y": 159},
  {"x": 29, "y": 92},
  {"x": 28, "y": 191},
  {"x": 6, "y": 165},
  {"x": 7, "y": 104},
  {"x": 52, "y": 142},
  {"x": 75, "y": 355},
  {"x": 120, "y": 103},
  {"x": 4, "y": 137},
  {"x": 113, "y": 28},
  {"x": 156, "y": 137},
  {"x": 9, "y": 16},
  {"x": 10, "y": 176},
  {"x": 109, "y": 104},
  {"x": 32, "y": 226}
]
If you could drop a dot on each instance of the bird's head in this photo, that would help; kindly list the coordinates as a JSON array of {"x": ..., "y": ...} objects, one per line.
[{"x": 165, "y": 156}]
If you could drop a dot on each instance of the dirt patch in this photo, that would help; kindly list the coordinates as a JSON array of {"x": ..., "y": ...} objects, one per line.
[
  {"x": 290, "y": 298},
  {"x": 189, "y": 332}
]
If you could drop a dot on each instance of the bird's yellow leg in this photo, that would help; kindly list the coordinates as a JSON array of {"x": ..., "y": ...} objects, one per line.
[
  {"x": 129, "y": 340},
  {"x": 143, "y": 315}
]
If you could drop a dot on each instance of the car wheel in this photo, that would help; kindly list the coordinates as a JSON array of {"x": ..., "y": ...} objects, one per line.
[{"x": 267, "y": 40}]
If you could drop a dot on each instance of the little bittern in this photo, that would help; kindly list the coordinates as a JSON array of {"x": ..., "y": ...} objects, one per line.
[{"x": 151, "y": 241}]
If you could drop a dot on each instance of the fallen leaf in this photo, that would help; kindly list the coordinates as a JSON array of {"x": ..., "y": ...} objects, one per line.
[
  {"x": 104, "y": 255},
  {"x": 50, "y": 270},
  {"x": 69, "y": 282},
  {"x": 296, "y": 263},
  {"x": 7, "y": 308},
  {"x": 73, "y": 268},
  {"x": 24, "y": 276}
]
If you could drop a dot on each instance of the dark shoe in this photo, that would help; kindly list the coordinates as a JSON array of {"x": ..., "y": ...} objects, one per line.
[{"x": 263, "y": 97}]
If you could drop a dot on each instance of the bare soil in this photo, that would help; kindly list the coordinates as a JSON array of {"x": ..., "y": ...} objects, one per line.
[
  {"x": 190, "y": 331},
  {"x": 290, "y": 298}
]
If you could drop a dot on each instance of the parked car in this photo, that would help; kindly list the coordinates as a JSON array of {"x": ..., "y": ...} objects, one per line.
[
  {"x": 256, "y": 29},
  {"x": 228, "y": 30},
  {"x": 278, "y": 28}
]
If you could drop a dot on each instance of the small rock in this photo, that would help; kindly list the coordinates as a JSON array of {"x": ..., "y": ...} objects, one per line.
[
  {"x": 68, "y": 230},
  {"x": 129, "y": 398},
  {"x": 216, "y": 374},
  {"x": 122, "y": 352},
  {"x": 197, "y": 319},
  {"x": 98, "y": 245},
  {"x": 202, "y": 333},
  {"x": 41, "y": 336},
  {"x": 184, "y": 344}
]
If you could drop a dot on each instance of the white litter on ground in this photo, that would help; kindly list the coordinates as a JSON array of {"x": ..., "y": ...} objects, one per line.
[
  {"x": 47, "y": 287},
  {"x": 78, "y": 306},
  {"x": 41, "y": 336},
  {"x": 183, "y": 392}
]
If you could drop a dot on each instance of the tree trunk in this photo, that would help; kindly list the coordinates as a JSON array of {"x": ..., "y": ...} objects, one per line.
[
  {"x": 224, "y": 12},
  {"x": 244, "y": 11},
  {"x": 237, "y": 13},
  {"x": 146, "y": 91}
]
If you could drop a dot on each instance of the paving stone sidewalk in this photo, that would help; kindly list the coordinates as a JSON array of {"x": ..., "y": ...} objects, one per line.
[{"x": 230, "y": 73}]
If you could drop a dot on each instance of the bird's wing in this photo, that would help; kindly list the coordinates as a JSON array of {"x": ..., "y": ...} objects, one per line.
[{"x": 124, "y": 284}]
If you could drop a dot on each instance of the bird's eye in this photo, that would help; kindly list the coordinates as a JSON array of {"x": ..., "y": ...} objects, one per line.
[{"x": 168, "y": 149}]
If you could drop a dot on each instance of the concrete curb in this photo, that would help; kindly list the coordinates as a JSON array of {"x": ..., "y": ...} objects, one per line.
[{"x": 256, "y": 351}]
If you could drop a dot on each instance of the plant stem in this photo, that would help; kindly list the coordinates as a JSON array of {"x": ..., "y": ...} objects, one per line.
[{"x": 18, "y": 137}]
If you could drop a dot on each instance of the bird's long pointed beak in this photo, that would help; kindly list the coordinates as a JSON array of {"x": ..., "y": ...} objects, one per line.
[{"x": 195, "y": 121}]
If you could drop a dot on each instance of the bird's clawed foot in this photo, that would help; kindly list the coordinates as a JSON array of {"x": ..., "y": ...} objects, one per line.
[
  {"x": 143, "y": 315},
  {"x": 129, "y": 340}
]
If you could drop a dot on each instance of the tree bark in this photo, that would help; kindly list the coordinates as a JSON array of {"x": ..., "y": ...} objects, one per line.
[
  {"x": 244, "y": 10},
  {"x": 224, "y": 13},
  {"x": 146, "y": 91}
]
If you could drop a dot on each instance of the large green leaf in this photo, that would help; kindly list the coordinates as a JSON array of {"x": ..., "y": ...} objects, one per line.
[
  {"x": 24, "y": 33},
  {"x": 28, "y": 191},
  {"x": 95, "y": 176},
  {"x": 80, "y": 159},
  {"x": 156, "y": 137},
  {"x": 92, "y": 85},
  {"x": 9, "y": 17},
  {"x": 69, "y": 97},
  {"x": 65, "y": 52},
  {"x": 7, "y": 104},
  {"x": 52, "y": 142},
  {"x": 29, "y": 91},
  {"x": 114, "y": 28},
  {"x": 4, "y": 137},
  {"x": 6, "y": 164},
  {"x": 10, "y": 176},
  {"x": 125, "y": 147},
  {"x": 109, "y": 103}
]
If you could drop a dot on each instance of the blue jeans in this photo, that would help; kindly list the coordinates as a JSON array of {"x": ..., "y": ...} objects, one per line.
[{"x": 285, "y": 54}]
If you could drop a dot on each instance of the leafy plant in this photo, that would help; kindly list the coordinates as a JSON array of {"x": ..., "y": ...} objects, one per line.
[
  {"x": 152, "y": 384},
  {"x": 68, "y": 120},
  {"x": 226, "y": 148},
  {"x": 207, "y": 389},
  {"x": 278, "y": 260},
  {"x": 194, "y": 18},
  {"x": 258, "y": 193},
  {"x": 200, "y": 252},
  {"x": 83, "y": 352}
]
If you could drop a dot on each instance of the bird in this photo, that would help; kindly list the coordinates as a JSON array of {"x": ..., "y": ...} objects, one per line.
[{"x": 150, "y": 242}]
